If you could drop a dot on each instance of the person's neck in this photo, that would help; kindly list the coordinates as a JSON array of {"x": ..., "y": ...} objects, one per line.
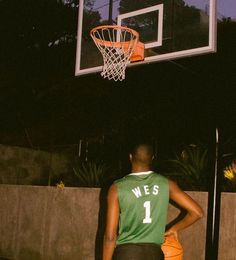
[{"x": 140, "y": 168}]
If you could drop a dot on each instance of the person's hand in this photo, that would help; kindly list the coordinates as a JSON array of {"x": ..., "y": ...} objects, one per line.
[{"x": 172, "y": 233}]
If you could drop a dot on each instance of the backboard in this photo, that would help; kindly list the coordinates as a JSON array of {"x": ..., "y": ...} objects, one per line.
[{"x": 170, "y": 29}]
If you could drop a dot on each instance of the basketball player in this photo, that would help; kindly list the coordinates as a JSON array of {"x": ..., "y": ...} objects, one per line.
[{"x": 138, "y": 204}]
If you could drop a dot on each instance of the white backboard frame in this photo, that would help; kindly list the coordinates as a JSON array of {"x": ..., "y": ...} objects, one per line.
[
  {"x": 154, "y": 8},
  {"x": 168, "y": 56}
]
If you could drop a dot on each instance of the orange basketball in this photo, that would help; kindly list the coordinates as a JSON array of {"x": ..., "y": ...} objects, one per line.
[{"x": 172, "y": 249}]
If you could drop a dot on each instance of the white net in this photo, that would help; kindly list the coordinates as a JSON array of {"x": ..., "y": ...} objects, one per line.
[{"x": 116, "y": 45}]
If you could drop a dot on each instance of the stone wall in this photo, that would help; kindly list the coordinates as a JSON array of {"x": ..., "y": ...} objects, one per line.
[
  {"x": 47, "y": 223},
  {"x": 227, "y": 236},
  {"x": 50, "y": 223},
  {"x": 193, "y": 239},
  {"x": 30, "y": 167}
]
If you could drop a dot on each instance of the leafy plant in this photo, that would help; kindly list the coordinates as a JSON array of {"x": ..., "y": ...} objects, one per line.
[
  {"x": 230, "y": 175},
  {"x": 92, "y": 174},
  {"x": 191, "y": 166}
]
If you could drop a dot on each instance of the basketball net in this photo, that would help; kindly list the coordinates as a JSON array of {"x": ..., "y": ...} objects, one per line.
[{"x": 118, "y": 46}]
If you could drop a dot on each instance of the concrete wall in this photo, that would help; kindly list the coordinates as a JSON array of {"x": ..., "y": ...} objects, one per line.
[
  {"x": 193, "y": 239},
  {"x": 227, "y": 247},
  {"x": 30, "y": 167},
  {"x": 47, "y": 223}
]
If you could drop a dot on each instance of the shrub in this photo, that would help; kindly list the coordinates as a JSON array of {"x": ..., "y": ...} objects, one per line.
[{"x": 92, "y": 174}]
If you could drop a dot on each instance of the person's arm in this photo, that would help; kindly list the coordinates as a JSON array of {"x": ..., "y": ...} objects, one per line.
[
  {"x": 194, "y": 211},
  {"x": 113, "y": 210}
]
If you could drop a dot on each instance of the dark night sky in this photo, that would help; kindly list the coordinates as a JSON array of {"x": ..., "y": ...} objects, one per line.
[
  {"x": 41, "y": 98},
  {"x": 226, "y": 8}
]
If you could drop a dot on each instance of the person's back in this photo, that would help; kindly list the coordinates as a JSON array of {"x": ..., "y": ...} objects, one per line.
[
  {"x": 143, "y": 200},
  {"x": 137, "y": 204}
]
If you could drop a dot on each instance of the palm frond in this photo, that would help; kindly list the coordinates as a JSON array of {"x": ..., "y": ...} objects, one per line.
[{"x": 91, "y": 174}]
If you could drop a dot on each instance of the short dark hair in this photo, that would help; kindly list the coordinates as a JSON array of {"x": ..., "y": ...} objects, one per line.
[
  {"x": 148, "y": 147},
  {"x": 142, "y": 153}
]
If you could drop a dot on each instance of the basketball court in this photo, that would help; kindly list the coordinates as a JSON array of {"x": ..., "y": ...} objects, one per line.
[
  {"x": 81, "y": 86},
  {"x": 114, "y": 36}
]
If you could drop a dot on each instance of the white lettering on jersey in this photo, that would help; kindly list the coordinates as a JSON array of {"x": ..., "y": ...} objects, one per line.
[
  {"x": 147, "y": 206},
  {"x": 137, "y": 192},
  {"x": 155, "y": 190},
  {"x": 146, "y": 189}
]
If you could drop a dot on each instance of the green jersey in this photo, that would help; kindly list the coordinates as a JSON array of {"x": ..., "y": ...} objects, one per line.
[{"x": 143, "y": 200}]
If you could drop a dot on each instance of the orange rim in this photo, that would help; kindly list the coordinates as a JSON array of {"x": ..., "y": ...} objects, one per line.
[{"x": 111, "y": 43}]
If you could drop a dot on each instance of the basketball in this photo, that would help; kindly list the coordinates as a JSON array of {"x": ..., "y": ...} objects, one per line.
[{"x": 172, "y": 249}]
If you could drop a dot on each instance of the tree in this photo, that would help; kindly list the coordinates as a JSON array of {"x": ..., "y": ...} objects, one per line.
[{"x": 180, "y": 22}]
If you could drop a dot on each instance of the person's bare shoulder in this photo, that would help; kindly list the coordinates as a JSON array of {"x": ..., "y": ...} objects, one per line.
[
  {"x": 183, "y": 199},
  {"x": 173, "y": 186},
  {"x": 112, "y": 190},
  {"x": 112, "y": 194}
]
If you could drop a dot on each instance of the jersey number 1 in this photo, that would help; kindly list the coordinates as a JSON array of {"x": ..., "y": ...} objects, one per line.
[{"x": 147, "y": 206}]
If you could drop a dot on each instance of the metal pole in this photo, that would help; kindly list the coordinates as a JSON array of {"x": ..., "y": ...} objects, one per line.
[
  {"x": 214, "y": 200},
  {"x": 110, "y": 11}
]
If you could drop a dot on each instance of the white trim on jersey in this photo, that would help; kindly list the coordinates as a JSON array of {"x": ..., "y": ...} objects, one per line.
[{"x": 140, "y": 173}]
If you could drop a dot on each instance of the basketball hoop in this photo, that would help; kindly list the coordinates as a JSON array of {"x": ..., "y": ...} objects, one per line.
[{"x": 118, "y": 45}]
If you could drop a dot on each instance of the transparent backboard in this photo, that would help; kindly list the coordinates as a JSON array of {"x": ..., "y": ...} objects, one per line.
[{"x": 170, "y": 29}]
